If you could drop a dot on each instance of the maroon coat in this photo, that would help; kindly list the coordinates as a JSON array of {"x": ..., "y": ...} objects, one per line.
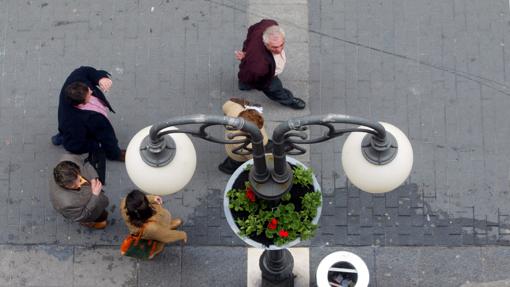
[{"x": 258, "y": 66}]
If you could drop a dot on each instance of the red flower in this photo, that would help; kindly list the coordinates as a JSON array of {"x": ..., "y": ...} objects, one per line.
[
  {"x": 283, "y": 233},
  {"x": 272, "y": 224},
  {"x": 250, "y": 194}
]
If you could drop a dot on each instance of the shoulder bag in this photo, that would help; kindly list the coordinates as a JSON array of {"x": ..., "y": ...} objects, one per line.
[{"x": 135, "y": 246}]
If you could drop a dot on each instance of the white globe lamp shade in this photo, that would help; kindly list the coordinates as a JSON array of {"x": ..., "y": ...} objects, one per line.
[
  {"x": 375, "y": 178},
  {"x": 165, "y": 179}
]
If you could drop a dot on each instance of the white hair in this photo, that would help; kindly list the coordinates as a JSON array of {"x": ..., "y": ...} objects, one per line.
[{"x": 272, "y": 31}]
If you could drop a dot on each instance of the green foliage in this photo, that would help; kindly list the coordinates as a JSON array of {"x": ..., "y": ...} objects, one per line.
[
  {"x": 309, "y": 201},
  {"x": 298, "y": 224},
  {"x": 286, "y": 196},
  {"x": 303, "y": 176},
  {"x": 239, "y": 202}
]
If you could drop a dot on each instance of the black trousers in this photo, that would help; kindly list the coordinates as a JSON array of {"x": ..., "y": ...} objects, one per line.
[
  {"x": 102, "y": 217},
  {"x": 275, "y": 91},
  {"x": 229, "y": 165},
  {"x": 97, "y": 159}
]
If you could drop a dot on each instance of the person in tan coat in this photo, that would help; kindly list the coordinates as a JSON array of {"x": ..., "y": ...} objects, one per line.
[
  {"x": 244, "y": 109},
  {"x": 139, "y": 210}
]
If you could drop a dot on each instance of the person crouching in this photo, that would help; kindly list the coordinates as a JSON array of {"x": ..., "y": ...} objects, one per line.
[{"x": 244, "y": 109}]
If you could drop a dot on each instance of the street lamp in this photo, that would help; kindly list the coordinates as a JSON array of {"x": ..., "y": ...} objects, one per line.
[{"x": 377, "y": 157}]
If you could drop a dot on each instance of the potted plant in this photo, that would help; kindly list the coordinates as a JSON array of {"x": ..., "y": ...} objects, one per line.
[{"x": 273, "y": 225}]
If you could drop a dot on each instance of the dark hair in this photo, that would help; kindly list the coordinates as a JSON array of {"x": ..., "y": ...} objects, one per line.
[
  {"x": 65, "y": 173},
  {"x": 76, "y": 93},
  {"x": 252, "y": 116},
  {"x": 138, "y": 208}
]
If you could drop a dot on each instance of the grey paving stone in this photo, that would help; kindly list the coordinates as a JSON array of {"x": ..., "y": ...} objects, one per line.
[
  {"x": 366, "y": 216},
  {"x": 448, "y": 266},
  {"x": 215, "y": 198},
  {"x": 107, "y": 265},
  {"x": 397, "y": 266},
  {"x": 354, "y": 205},
  {"x": 222, "y": 268},
  {"x": 366, "y": 199},
  {"x": 340, "y": 195},
  {"x": 392, "y": 199},
  {"x": 366, "y": 236},
  {"x": 378, "y": 224},
  {"x": 391, "y": 235},
  {"x": 214, "y": 218},
  {"x": 492, "y": 259},
  {"x": 404, "y": 208},
  {"x": 42, "y": 265},
  {"x": 390, "y": 217},
  {"x": 328, "y": 220},
  {"x": 468, "y": 237},
  {"x": 214, "y": 235},
  {"x": 352, "y": 191},
  {"x": 379, "y": 205},
  {"x": 328, "y": 209},
  {"x": 163, "y": 270},
  {"x": 340, "y": 235},
  {"x": 340, "y": 216}
]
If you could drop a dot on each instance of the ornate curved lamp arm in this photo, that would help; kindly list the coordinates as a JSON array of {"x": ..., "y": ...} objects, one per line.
[
  {"x": 159, "y": 149},
  {"x": 377, "y": 147}
]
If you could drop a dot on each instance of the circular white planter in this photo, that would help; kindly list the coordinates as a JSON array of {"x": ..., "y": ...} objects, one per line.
[
  {"x": 327, "y": 264},
  {"x": 230, "y": 218}
]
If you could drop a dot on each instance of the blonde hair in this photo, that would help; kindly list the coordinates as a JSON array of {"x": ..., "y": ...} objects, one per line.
[{"x": 272, "y": 31}]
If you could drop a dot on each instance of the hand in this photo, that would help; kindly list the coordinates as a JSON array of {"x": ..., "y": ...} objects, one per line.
[
  {"x": 96, "y": 186},
  {"x": 105, "y": 84},
  {"x": 158, "y": 200},
  {"x": 240, "y": 55}
]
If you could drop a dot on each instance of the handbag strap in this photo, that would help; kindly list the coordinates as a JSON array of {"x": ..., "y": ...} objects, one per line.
[{"x": 140, "y": 232}]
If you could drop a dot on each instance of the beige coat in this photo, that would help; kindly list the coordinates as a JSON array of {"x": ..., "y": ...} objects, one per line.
[
  {"x": 78, "y": 205},
  {"x": 159, "y": 226},
  {"x": 233, "y": 109}
]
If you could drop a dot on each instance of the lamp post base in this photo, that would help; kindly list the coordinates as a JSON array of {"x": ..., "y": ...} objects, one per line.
[{"x": 276, "y": 267}]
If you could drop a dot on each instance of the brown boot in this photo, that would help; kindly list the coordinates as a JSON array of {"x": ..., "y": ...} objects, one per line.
[
  {"x": 95, "y": 225},
  {"x": 175, "y": 223},
  {"x": 122, "y": 156}
]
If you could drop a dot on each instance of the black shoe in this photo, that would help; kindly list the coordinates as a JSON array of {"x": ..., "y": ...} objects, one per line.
[
  {"x": 297, "y": 104},
  {"x": 57, "y": 139},
  {"x": 229, "y": 165}
]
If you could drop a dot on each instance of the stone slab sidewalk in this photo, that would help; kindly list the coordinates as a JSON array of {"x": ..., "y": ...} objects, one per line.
[
  {"x": 52, "y": 265},
  {"x": 436, "y": 69}
]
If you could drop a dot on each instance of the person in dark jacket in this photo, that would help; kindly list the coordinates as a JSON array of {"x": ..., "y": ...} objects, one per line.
[
  {"x": 262, "y": 60},
  {"x": 83, "y": 122},
  {"x": 76, "y": 192}
]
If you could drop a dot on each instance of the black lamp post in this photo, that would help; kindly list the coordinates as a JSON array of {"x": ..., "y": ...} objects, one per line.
[{"x": 378, "y": 159}]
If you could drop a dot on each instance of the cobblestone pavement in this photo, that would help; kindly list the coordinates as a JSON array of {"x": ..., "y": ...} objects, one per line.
[{"x": 436, "y": 69}]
